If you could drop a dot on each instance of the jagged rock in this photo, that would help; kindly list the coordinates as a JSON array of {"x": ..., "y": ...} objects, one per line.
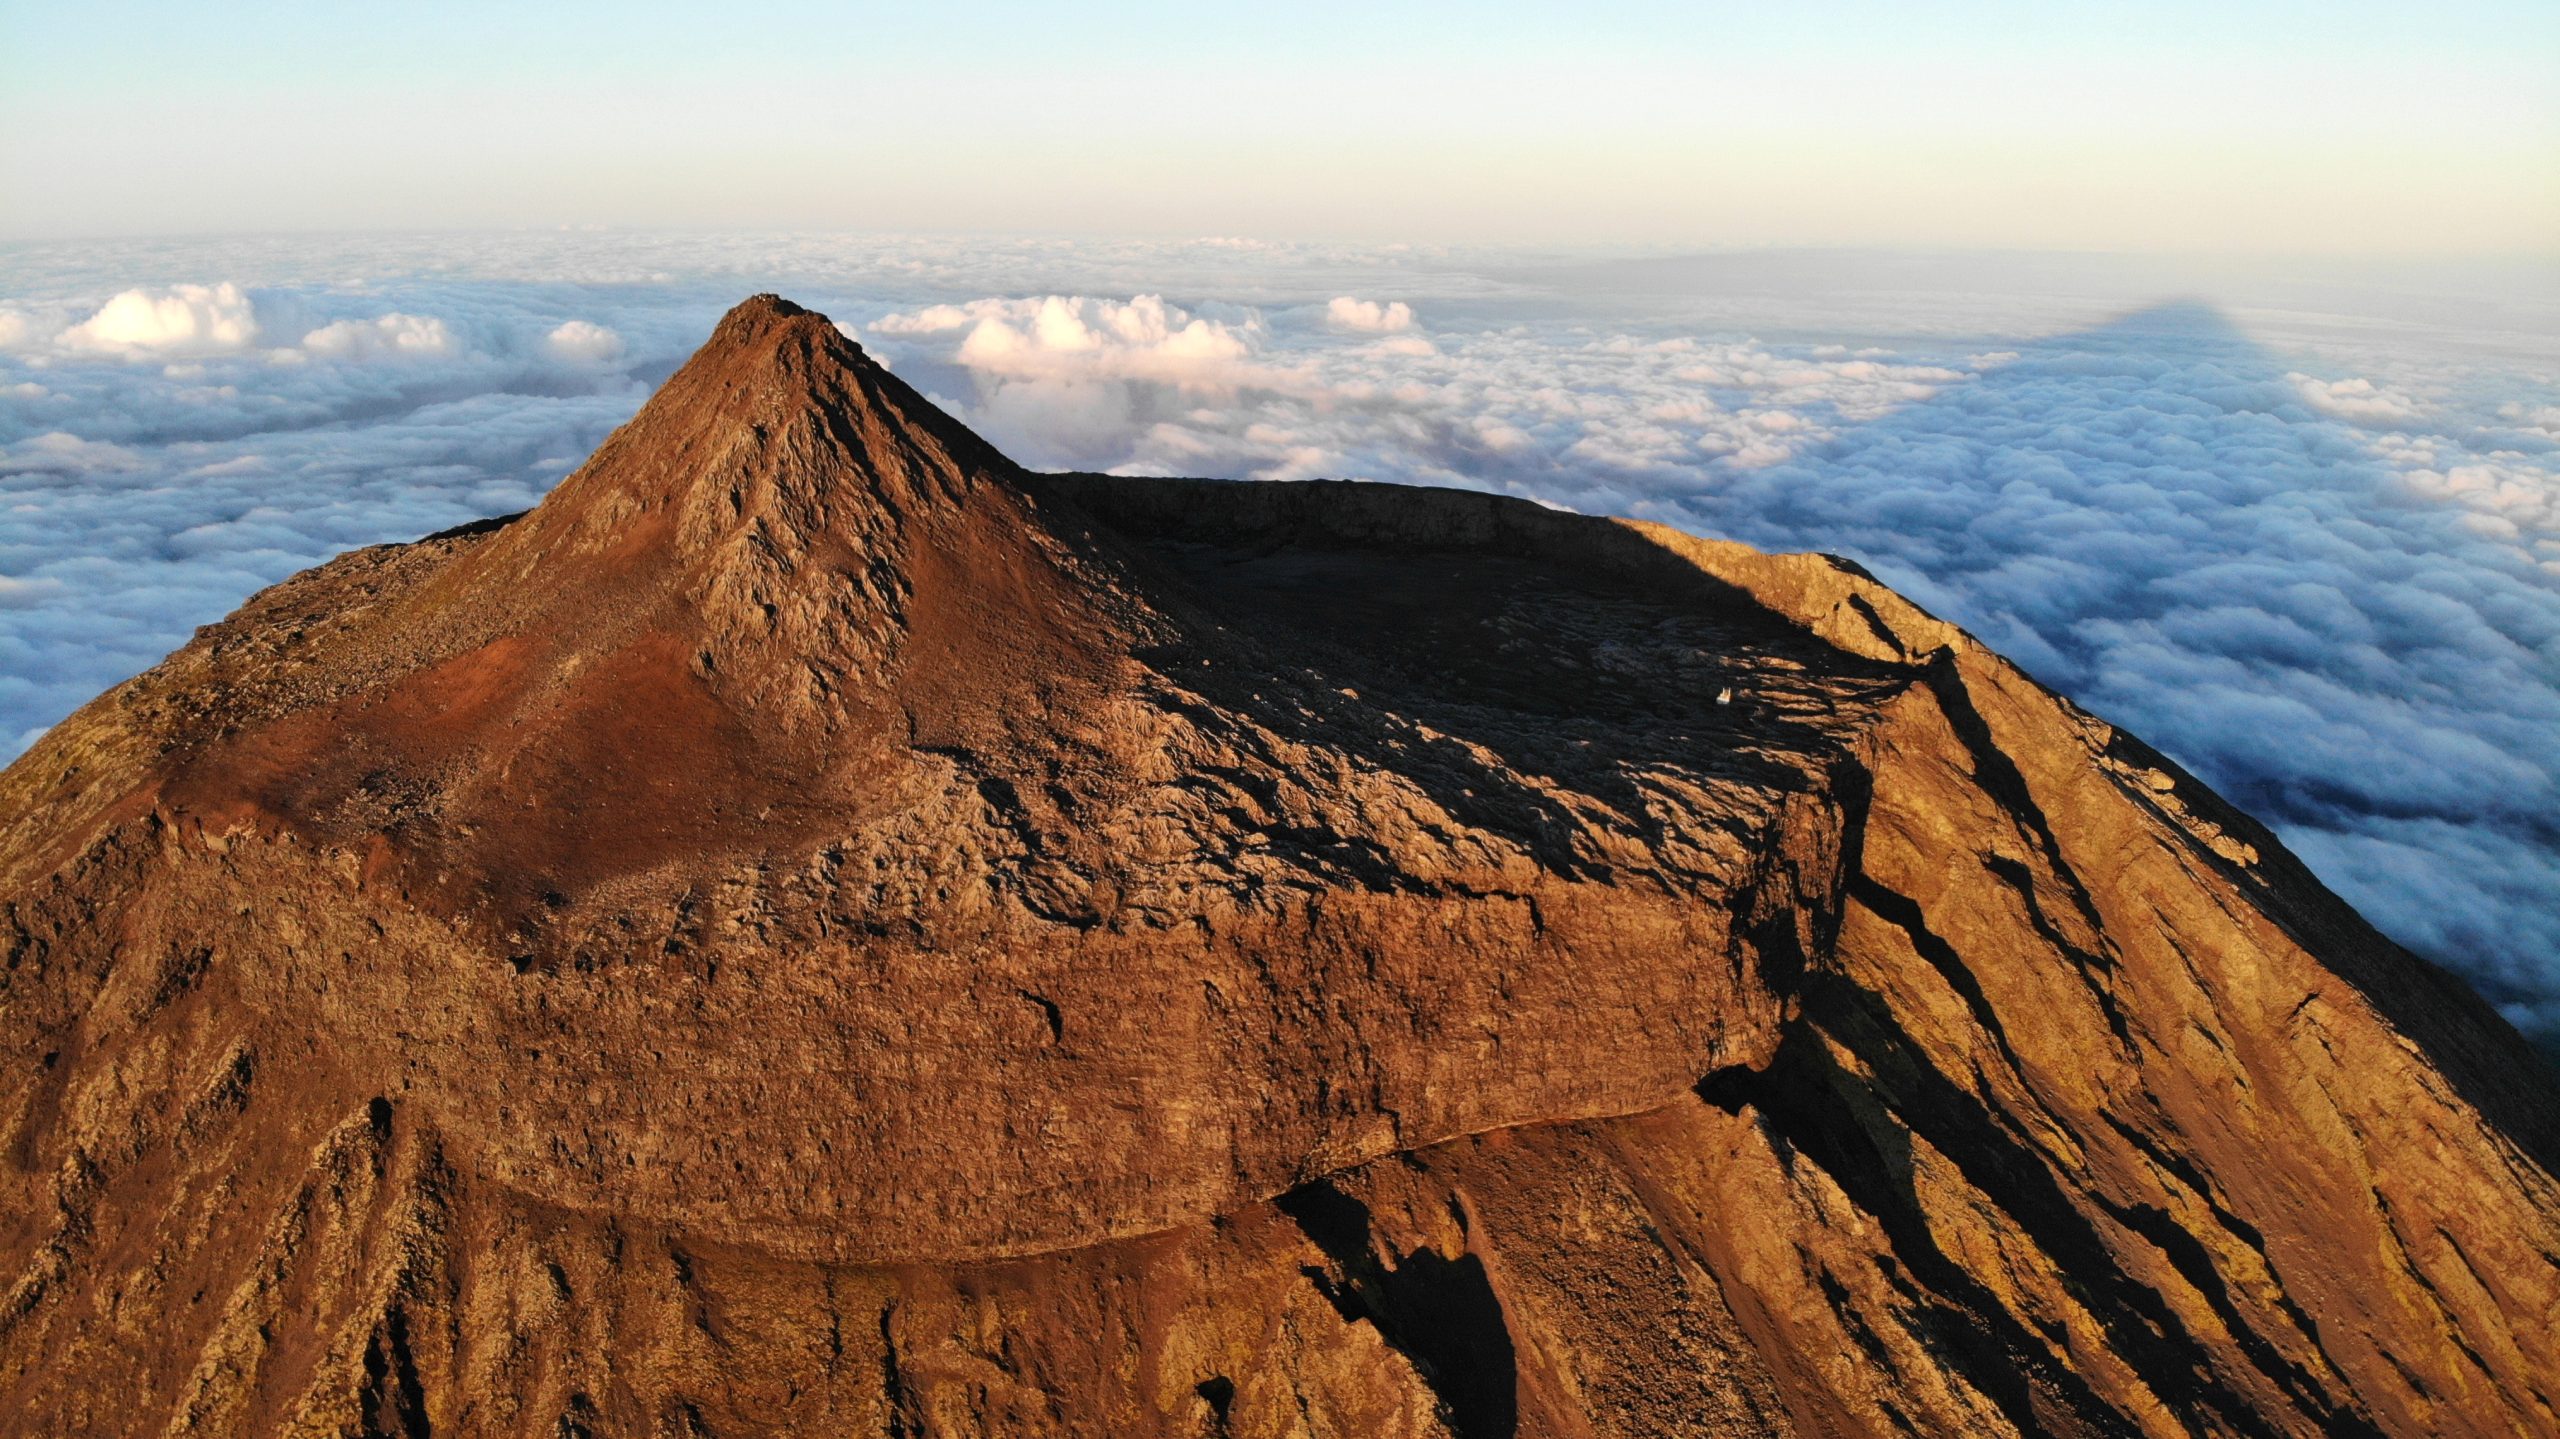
[{"x": 814, "y": 929}]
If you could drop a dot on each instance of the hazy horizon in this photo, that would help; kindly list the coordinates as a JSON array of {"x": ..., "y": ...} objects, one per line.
[{"x": 2340, "y": 129}]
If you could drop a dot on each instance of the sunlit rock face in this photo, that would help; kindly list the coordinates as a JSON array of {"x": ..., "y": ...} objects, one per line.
[{"x": 816, "y": 929}]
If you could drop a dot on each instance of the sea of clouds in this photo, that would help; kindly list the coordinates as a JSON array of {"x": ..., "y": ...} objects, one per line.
[{"x": 2300, "y": 529}]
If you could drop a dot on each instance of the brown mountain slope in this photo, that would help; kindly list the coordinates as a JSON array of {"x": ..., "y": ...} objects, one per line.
[{"x": 816, "y": 930}]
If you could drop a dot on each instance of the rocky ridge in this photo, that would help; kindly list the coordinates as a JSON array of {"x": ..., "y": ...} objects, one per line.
[{"x": 816, "y": 929}]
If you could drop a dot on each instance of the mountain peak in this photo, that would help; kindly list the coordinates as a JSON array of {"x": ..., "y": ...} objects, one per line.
[
  {"x": 780, "y": 418},
  {"x": 777, "y": 503},
  {"x": 797, "y": 341},
  {"x": 786, "y": 562},
  {"x": 763, "y": 309},
  {"x": 766, "y": 318}
]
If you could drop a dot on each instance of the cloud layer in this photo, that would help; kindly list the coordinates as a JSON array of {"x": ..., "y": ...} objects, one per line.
[{"x": 2309, "y": 544}]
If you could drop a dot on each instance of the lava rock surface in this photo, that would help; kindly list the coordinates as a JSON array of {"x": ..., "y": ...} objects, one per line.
[{"x": 815, "y": 929}]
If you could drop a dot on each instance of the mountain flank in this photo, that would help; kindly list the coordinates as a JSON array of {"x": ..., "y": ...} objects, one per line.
[{"x": 816, "y": 929}]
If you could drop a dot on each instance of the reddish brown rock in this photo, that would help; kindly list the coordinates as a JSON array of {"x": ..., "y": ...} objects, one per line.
[{"x": 817, "y": 930}]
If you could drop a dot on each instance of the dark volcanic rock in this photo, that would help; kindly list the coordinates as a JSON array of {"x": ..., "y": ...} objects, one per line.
[{"x": 815, "y": 929}]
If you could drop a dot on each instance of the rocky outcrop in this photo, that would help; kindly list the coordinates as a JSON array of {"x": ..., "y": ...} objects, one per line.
[{"x": 814, "y": 929}]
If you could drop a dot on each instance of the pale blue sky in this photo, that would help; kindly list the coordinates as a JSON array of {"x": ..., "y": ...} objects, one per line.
[{"x": 2352, "y": 128}]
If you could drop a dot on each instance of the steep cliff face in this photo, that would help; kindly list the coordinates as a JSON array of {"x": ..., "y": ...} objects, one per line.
[{"x": 814, "y": 929}]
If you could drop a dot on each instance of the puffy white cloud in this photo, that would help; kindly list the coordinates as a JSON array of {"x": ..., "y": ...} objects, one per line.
[
  {"x": 585, "y": 342},
  {"x": 59, "y": 452},
  {"x": 931, "y": 320},
  {"x": 2544, "y": 419},
  {"x": 2511, "y": 499},
  {"x": 392, "y": 336},
  {"x": 1345, "y": 312},
  {"x": 1080, "y": 338},
  {"x": 181, "y": 320},
  {"x": 19, "y": 594},
  {"x": 2353, "y": 399},
  {"x": 1071, "y": 379}
]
